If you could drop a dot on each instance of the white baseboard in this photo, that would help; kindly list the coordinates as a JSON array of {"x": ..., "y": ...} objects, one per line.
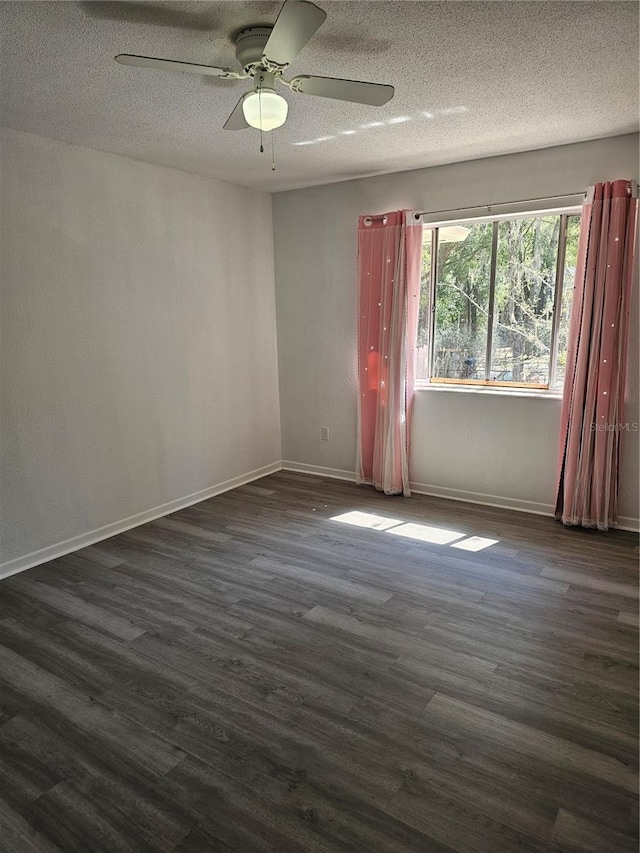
[
  {"x": 424, "y": 489},
  {"x": 497, "y": 501},
  {"x": 51, "y": 552},
  {"x": 318, "y": 471}
]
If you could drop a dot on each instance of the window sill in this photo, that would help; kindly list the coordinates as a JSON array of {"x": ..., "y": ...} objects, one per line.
[{"x": 481, "y": 389}]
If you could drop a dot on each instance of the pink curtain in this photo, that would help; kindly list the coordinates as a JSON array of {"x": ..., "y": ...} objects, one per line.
[
  {"x": 592, "y": 406},
  {"x": 389, "y": 253}
]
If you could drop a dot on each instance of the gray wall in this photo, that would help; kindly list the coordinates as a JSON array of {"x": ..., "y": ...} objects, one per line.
[
  {"x": 139, "y": 359},
  {"x": 138, "y": 337},
  {"x": 476, "y": 445}
]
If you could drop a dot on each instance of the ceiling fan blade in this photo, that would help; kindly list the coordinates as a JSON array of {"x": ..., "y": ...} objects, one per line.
[
  {"x": 236, "y": 120},
  {"x": 374, "y": 94},
  {"x": 172, "y": 65},
  {"x": 297, "y": 22}
]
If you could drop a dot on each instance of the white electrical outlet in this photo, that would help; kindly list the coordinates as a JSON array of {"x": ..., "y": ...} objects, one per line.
[{"x": 324, "y": 433}]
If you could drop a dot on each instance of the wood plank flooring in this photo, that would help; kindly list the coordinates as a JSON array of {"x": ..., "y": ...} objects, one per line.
[{"x": 250, "y": 674}]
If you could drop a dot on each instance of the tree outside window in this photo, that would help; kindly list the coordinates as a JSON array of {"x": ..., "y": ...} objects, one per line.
[{"x": 499, "y": 311}]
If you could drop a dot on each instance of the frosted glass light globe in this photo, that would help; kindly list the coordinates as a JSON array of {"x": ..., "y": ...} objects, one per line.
[{"x": 266, "y": 104}]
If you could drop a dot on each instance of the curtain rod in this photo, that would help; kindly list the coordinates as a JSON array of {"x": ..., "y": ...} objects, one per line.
[
  {"x": 633, "y": 185},
  {"x": 497, "y": 204},
  {"x": 485, "y": 206}
]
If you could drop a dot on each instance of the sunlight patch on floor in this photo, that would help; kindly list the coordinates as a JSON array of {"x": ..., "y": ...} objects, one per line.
[
  {"x": 475, "y": 543},
  {"x": 419, "y": 532},
  {"x": 424, "y": 533},
  {"x": 367, "y": 519}
]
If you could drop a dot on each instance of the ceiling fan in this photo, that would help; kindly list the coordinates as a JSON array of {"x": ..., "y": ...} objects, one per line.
[{"x": 265, "y": 53}]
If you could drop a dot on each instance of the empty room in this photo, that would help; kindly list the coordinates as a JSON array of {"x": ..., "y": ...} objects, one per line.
[{"x": 319, "y": 426}]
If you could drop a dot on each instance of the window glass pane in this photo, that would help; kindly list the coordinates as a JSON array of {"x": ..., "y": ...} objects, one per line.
[
  {"x": 523, "y": 307},
  {"x": 422, "y": 344},
  {"x": 462, "y": 301},
  {"x": 571, "y": 254}
]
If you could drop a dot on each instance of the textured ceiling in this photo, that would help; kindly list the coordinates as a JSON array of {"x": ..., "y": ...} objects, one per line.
[{"x": 472, "y": 79}]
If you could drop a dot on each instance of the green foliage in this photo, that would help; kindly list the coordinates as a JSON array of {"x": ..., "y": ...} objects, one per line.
[{"x": 526, "y": 260}]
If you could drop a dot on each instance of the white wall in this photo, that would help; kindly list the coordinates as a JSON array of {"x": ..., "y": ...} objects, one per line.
[
  {"x": 139, "y": 357},
  {"x": 464, "y": 444}
]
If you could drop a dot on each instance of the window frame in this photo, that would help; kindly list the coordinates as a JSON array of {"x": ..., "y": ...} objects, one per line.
[{"x": 510, "y": 212}]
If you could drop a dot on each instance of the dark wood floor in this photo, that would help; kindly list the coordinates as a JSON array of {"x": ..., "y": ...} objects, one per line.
[{"x": 251, "y": 675}]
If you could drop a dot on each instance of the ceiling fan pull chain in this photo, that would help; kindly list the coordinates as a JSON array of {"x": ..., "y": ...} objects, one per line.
[
  {"x": 273, "y": 151},
  {"x": 260, "y": 111}
]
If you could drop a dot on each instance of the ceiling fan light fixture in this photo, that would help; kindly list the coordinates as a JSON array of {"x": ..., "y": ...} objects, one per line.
[{"x": 265, "y": 109}]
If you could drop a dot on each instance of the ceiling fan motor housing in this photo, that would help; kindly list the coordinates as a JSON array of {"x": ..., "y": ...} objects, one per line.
[{"x": 250, "y": 44}]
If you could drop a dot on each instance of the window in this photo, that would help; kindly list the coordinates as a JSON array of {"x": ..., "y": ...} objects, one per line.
[{"x": 498, "y": 313}]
